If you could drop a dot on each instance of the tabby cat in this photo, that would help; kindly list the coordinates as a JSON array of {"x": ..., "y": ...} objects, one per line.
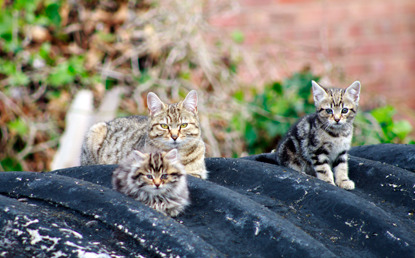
[
  {"x": 169, "y": 126},
  {"x": 156, "y": 179},
  {"x": 318, "y": 143}
]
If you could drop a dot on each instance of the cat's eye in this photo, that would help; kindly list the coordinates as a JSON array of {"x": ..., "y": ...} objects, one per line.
[
  {"x": 184, "y": 125},
  {"x": 329, "y": 111},
  {"x": 164, "y": 176},
  {"x": 149, "y": 176},
  {"x": 164, "y": 126},
  {"x": 345, "y": 110}
]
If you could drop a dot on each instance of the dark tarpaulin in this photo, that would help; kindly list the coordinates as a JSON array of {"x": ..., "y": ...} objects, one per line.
[{"x": 248, "y": 207}]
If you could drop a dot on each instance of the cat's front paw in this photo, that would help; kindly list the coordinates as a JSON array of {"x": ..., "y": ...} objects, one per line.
[
  {"x": 346, "y": 184},
  {"x": 199, "y": 174},
  {"x": 172, "y": 212}
]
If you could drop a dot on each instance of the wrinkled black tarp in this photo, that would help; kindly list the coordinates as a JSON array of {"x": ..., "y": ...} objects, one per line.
[{"x": 248, "y": 207}]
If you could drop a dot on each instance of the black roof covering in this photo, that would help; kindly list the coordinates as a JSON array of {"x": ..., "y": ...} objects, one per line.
[{"x": 248, "y": 207}]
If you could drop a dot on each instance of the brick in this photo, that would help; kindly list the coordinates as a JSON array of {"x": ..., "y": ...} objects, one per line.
[
  {"x": 256, "y": 2},
  {"x": 370, "y": 40}
]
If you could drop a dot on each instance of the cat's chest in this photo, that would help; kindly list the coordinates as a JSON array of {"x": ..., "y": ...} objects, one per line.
[{"x": 336, "y": 145}]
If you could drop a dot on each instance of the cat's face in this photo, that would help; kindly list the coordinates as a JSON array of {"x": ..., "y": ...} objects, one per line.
[
  {"x": 157, "y": 172},
  {"x": 336, "y": 107},
  {"x": 173, "y": 125}
]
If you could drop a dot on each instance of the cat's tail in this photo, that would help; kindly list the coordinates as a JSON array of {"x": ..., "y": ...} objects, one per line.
[{"x": 270, "y": 158}]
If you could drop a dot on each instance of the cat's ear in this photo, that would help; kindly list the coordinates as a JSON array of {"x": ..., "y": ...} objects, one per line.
[
  {"x": 139, "y": 156},
  {"x": 154, "y": 104},
  {"x": 190, "y": 102},
  {"x": 319, "y": 93},
  {"x": 172, "y": 155},
  {"x": 354, "y": 91}
]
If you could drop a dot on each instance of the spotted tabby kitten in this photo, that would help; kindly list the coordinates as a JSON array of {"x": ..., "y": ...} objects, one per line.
[
  {"x": 318, "y": 143},
  {"x": 156, "y": 179},
  {"x": 169, "y": 126}
]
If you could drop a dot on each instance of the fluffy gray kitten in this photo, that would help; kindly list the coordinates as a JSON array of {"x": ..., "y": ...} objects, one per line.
[
  {"x": 156, "y": 179},
  {"x": 318, "y": 143},
  {"x": 169, "y": 126}
]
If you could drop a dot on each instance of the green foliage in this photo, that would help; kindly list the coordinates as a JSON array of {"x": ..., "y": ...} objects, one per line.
[
  {"x": 10, "y": 164},
  {"x": 15, "y": 17},
  {"x": 18, "y": 127},
  {"x": 238, "y": 36},
  {"x": 272, "y": 112},
  {"x": 379, "y": 126},
  {"x": 67, "y": 72},
  {"x": 393, "y": 131}
]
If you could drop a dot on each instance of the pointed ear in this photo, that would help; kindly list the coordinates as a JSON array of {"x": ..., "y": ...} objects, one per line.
[
  {"x": 172, "y": 155},
  {"x": 154, "y": 104},
  {"x": 139, "y": 156},
  {"x": 354, "y": 91},
  {"x": 319, "y": 93},
  {"x": 190, "y": 102}
]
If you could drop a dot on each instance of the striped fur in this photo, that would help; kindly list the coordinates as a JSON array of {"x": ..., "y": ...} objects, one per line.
[
  {"x": 318, "y": 143},
  {"x": 156, "y": 179},
  {"x": 169, "y": 126}
]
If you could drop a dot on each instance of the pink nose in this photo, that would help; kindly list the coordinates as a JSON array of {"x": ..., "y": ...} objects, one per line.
[{"x": 174, "y": 136}]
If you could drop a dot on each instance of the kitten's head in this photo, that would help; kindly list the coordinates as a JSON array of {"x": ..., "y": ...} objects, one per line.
[
  {"x": 156, "y": 172},
  {"x": 336, "y": 108},
  {"x": 173, "y": 125}
]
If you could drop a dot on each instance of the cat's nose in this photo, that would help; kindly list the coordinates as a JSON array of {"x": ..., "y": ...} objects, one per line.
[
  {"x": 174, "y": 136},
  {"x": 157, "y": 183},
  {"x": 337, "y": 119}
]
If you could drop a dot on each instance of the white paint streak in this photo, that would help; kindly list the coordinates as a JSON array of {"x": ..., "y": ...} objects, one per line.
[{"x": 76, "y": 234}]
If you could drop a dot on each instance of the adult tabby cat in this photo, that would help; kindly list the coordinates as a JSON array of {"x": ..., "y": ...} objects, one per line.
[
  {"x": 318, "y": 143},
  {"x": 156, "y": 179},
  {"x": 169, "y": 126}
]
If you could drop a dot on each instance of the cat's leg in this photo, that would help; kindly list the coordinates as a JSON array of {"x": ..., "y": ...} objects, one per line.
[
  {"x": 174, "y": 211},
  {"x": 201, "y": 172},
  {"x": 340, "y": 168},
  {"x": 194, "y": 161},
  {"x": 320, "y": 163}
]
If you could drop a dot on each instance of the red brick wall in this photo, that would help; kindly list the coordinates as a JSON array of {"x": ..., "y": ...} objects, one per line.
[{"x": 372, "y": 41}]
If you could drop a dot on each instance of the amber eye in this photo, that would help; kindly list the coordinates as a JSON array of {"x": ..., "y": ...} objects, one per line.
[
  {"x": 164, "y": 126},
  {"x": 164, "y": 176},
  {"x": 345, "y": 110},
  {"x": 184, "y": 125},
  {"x": 329, "y": 111},
  {"x": 149, "y": 176}
]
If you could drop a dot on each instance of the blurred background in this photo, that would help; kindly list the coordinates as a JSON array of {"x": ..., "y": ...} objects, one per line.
[{"x": 65, "y": 64}]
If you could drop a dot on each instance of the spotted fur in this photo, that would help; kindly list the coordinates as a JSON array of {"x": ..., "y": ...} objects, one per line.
[
  {"x": 318, "y": 143},
  {"x": 169, "y": 126},
  {"x": 156, "y": 179}
]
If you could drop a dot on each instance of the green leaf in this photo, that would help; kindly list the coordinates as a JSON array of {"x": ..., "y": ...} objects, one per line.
[
  {"x": 61, "y": 75},
  {"x": 19, "y": 79},
  {"x": 185, "y": 75},
  {"x": 239, "y": 95},
  {"x": 18, "y": 126},
  {"x": 145, "y": 77},
  {"x": 44, "y": 51},
  {"x": 238, "y": 36},
  {"x": 401, "y": 128},
  {"x": 52, "y": 12},
  {"x": 250, "y": 134},
  {"x": 384, "y": 115},
  {"x": 106, "y": 37},
  {"x": 11, "y": 164}
]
